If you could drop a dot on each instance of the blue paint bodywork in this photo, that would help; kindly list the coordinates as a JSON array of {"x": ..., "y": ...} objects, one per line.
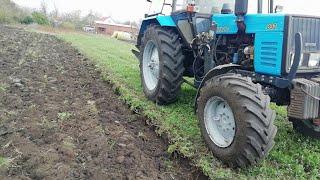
[
  {"x": 268, "y": 30},
  {"x": 268, "y": 53},
  {"x": 160, "y": 20},
  {"x": 254, "y": 22},
  {"x": 165, "y": 21}
]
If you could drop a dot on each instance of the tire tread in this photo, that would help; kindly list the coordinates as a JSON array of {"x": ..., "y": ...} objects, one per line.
[
  {"x": 171, "y": 77},
  {"x": 259, "y": 124}
]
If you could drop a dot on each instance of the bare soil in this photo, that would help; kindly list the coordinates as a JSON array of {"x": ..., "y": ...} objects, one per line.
[{"x": 60, "y": 120}]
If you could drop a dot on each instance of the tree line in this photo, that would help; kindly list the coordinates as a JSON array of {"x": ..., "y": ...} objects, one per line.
[{"x": 12, "y": 13}]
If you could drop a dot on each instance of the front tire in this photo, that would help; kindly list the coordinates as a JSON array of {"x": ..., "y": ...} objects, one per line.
[
  {"x": 161, "y": 64},
  {"x": 238, "y": 127},
  {"x": 306, "y": 128}
]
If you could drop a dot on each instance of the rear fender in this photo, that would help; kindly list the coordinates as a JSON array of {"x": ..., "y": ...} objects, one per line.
[{"x": 164, "y": 21}]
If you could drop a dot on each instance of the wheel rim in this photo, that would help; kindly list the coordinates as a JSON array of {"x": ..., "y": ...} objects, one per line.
[
  {"x": 151, "y": 65},
  {"x": 219, "y": 122}
]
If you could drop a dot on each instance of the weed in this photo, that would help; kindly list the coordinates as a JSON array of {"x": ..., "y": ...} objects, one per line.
[
  {"x": 3, "y": 87},
  {"x": 99, "y": 129},
  {"x": 168, "y": 164},
  {"x": 111, "y": 143},
  {"x": 4, "y": 161},
  {"x": 64, "y": 116},
  {"x": 132, "y": 119},
  {"x": 47, "y": 124},
  {"x": 68, "y": 143}
]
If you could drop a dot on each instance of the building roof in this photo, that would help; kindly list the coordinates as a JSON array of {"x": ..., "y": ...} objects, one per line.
[{"x": 111, "y": 22}]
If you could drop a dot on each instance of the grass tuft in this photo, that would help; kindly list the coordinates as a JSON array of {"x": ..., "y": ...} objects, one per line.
[
  {"x": 3, "y": 87},
  {"x": 4, "y": 161},
  {"x": 64, "y": 116}
]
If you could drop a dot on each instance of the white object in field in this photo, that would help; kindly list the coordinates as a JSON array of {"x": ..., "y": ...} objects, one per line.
[
  {"x": 122, "y": 35},
  {"x": 89, "y": 29}
]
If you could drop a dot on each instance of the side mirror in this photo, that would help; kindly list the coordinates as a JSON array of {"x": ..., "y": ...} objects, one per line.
[
  {"x": 279, "y": 9},
  {"x": 147, "y": 15},
  {"x": 241, "y": 7}
]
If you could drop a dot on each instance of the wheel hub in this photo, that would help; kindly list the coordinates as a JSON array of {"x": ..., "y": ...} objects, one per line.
[
  {"x": 151, "y": 65},
  {"x": 219, "y": 121}
]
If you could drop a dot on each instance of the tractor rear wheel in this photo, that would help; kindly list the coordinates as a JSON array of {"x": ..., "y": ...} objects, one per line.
[
  {"x": 161, "y": 64},
  {"x": 236, "y": 120},
  {"x": 308, "y": 128}
]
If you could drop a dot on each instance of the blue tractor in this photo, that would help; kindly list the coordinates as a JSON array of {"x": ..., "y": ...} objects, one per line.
[{"x": 240, "y": 63}]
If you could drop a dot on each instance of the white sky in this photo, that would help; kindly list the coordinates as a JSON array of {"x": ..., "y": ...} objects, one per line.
[
  {"x": 119, "y": 9},
  {"x": 135, "y": 9}
]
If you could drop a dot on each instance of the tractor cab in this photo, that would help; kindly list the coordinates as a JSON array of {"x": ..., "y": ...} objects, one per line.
[
  {"x": 241, "y": 55},
  {"x": 203, "y": 6}
]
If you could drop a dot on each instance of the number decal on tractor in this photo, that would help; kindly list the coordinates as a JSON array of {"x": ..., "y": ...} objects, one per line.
[
  {"x": 272, "y": 26},
  {"x": 223, "y": 29}
]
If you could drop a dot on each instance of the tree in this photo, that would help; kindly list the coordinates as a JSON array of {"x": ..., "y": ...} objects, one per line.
[
  {"x": 10, "y": 12},
  {"x": 40, "y": 18},
  {"x": 43, "y": 7},
  {"x": 90, "y": 18},
  {"x": 55, "y": 12}
]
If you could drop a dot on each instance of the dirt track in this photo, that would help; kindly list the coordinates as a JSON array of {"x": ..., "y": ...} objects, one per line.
[{"x": 59, "y": 120}]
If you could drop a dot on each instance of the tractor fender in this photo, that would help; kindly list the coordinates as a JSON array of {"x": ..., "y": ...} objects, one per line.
[
  {"x": 163, "y": 21},
  {"x": 222, "y": 69}
]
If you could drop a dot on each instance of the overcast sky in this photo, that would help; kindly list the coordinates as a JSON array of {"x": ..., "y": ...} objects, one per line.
[
  {"x": 135, "y": 9},
  {"x": 119, "y": 9}
]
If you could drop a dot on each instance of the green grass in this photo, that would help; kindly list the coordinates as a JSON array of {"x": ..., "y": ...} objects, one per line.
[
  {"x": 293, "y": 156},
  {"x": 3, "y": 161},
  {"x": 3, "y": 87}
]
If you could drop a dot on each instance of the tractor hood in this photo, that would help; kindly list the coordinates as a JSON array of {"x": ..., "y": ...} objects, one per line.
[{"x": 254, "y": 22}]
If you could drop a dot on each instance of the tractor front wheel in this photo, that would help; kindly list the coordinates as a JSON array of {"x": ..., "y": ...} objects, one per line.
[
  {"x": 161, "y": 64},
  {"x": 236, "y": 120},
  {"x": 310, "y": 128}
]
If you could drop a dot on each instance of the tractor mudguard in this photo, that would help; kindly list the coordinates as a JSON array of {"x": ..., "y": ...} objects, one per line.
[
  {"x": 223, "y": 69},
  {"x": 164, "y": 21},
  {"x": 135, "y": 53}
]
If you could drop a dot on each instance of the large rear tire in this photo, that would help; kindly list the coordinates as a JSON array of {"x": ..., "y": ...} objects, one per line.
[
  {"x": 236, "y": 120},
  {"x": 161, "y": 64},
  {"x": 306, "y": 127}
]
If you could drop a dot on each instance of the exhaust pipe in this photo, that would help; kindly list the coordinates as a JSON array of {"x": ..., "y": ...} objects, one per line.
[
  {"x": 271, "y": 6},
  {"x": 241, "y": 9},
  {"x": 260, "y": 6}
]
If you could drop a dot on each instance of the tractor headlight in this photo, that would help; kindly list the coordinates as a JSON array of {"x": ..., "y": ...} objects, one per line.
[
  {"x": 314, "y": 60},
  {"x": 308, "y": 60}
]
